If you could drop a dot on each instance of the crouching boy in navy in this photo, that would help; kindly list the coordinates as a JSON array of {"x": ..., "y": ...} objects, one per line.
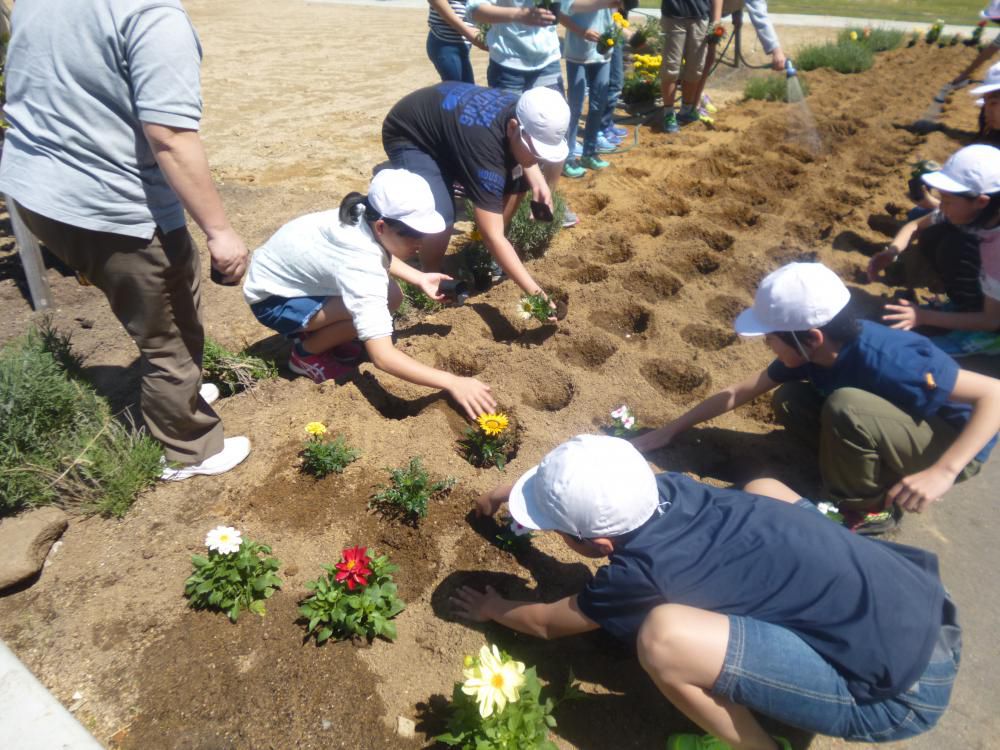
[
  {"x": 894, "y": 419},
  {"x": 738, "y": 601}
]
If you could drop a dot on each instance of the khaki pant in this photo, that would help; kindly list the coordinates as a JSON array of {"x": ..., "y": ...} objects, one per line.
[
  {"x": 865, "y": 443},
  {"x": 683, "y": 39},
  {"x": 153, "y": 287}
]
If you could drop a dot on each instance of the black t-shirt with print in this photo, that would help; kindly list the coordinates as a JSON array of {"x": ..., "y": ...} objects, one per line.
[{"x": 464, "y": 129}]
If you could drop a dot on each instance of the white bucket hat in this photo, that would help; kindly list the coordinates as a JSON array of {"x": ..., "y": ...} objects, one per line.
[
  {"x": 990, "y": 83},
  {"x": 796, "y": 297},
  {"x": 590, "y": 486},
  {"x": 405, "y": 196},
  {"x": 992, "y": 11},
  {"x": 544, "y": 115},
  {"x": 973, "y": 169}
]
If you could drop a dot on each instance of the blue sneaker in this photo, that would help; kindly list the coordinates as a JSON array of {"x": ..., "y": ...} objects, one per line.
[
  {"x": 593, "y": 162},
  {"x": 688, "y": 115},
  {"x": 577, "y": 151},
  {"x": 611, "y": 137},
  {"x": 670, "y": 124},
  {"x": 620, "y": 132},
  {"x": 604, "y": 146}
]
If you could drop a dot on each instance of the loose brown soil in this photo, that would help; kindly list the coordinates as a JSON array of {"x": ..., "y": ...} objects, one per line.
[{"x": 673, "y": 240}]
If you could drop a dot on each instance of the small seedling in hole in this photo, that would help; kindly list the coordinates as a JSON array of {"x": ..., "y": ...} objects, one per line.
[{"x": 513, "y": 537}]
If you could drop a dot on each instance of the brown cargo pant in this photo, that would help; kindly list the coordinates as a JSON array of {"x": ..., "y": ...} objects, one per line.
[{"x": 153, "y": 287}]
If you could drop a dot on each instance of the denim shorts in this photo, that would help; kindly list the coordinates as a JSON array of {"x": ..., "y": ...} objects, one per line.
[
  {"x": 420, "y": 162},
  {"x": 518, "y": 81},
  {"x": 772, "y": 671},
  {"x": 287, "y": 315}
]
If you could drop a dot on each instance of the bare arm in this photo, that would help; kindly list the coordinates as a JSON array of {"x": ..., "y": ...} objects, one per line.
[
  {"x": 472, "y": 395},
  {"x": 530, "y": 16},
  {"x": 985, "y": 54},
  {"x": 450, "y": 17},
  {"x": 713, "y": 406},
  {"x": 547, "y": 621},
  {"x": 916, "y": 491},
  {"x": 492, "y": 229},
  {"x": 716, "y": 11},
  {"x": 907, "y": 315},
  {"x": 881, "y": 260},
  {"x": 181, "y": 156}
]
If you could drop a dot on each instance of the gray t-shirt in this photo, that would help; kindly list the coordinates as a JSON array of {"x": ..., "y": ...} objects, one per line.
[{"x": 82, "y": 77}]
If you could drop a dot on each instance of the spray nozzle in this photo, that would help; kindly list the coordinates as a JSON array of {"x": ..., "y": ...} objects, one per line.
[{"x": 790, "y": 69}]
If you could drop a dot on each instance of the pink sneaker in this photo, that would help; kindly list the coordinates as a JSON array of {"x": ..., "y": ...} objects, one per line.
[
  {"x": 318, "y": 367},
  {"x": 349, "y": 353}
]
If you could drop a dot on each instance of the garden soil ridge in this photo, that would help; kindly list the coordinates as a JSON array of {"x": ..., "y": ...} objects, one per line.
[{"x": 673, "y": 239}]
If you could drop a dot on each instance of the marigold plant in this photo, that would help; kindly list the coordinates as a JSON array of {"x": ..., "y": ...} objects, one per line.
[
  {"x": 322, "y": 454},
  {"x": 357, "y": 597}
]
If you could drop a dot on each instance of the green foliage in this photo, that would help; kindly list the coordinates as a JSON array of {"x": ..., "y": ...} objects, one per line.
[
  {"x": 484, "y": 450},
  {"x": 335, "y": 611},
  {"x": 409, "y": 491},
  {"x": 234, "y": 371},
  {"x": 522, "y": 724},
  {"x": 849, "y": 57},
  {"x": 646, "y": 38},
  {"x": 878, "y": 39},
  {"x": 934, "y": 32},
  {"x": 235, "y": 582},
  {"x": 531, "y": 238},
  {"x": 509, "y": 540},
  {"x": 322, "y": 455},
  {"x": 479, "y": 263},
  {"x": 59, "y": 442},
  {"x": 771, "y": 88},
  {"x": 415, "y": 298},
  {"x": 639, "y": 89},
  {"x": 535, "y": 306}
]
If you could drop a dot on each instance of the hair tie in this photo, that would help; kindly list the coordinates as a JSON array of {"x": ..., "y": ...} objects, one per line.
[{"x": 358, "y": 210}]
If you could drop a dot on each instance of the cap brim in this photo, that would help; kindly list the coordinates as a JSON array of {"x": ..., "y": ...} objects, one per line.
[
  {"x": 986, "y": 88},
  {"x": 748, "y": 324},
  {"x": 522, "y": 506},
  {"x": 941, "y": 181},
  {"x": 551, "y": 153},
  {"x": 427, "y": 222}
]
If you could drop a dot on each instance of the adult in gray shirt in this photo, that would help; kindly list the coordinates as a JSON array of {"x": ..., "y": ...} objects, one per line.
[{"x": 101, "y": 159}]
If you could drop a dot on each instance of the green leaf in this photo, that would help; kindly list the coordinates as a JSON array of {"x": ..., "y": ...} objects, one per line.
[
  {"x": 323, "y": 635},
  {"x": 257, "y": 607}
]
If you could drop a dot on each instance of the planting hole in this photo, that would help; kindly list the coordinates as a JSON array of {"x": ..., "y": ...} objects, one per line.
[
  {"x": 675, "y": 377},
  {"x": 707, "y": 338},
  {"x": 705, "y": 263},
  {"x": 631, "y": 320},
  {"x": 585, "y": 351},
  {"x": 591, "y": 202},
  {"x": 591, "y": 274},
  {"x": 725, "y": 308},
  {"x": 613, "y": 247},
  {"x": 653, "y": 285},
  {"x": 551, "y": 393},
  {"x": 466, "y": 364}
]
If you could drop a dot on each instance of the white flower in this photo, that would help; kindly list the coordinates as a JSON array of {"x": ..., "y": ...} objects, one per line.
[
  {"x": 827, "y": 508},
  {"x": 224, "y": 539},
  {"x": 518, "y": 529},
  {"x": 619, "y": 412},
  {"x": 493, "y": 682},
  {"x": 628, "y": 422}
]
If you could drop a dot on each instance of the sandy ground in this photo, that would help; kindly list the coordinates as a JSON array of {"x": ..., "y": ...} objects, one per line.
[{"x": 673, "y": 240}]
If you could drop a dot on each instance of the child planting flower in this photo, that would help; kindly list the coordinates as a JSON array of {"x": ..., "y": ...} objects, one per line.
[
  {"x": 489, "y": 442},
  {"x": 536, "y": 306}
]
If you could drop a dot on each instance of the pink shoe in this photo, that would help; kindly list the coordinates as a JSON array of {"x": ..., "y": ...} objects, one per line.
[
  {"x": 318, "y": 367},
  {"x": 349, "y": 353}
]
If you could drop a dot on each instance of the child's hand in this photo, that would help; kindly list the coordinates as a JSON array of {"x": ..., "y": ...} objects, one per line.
[
  {"x": 651, "y": 441},
  {"x": 881, "y": 261},
  {"x": 470, "y": 604},
  {"x": 904, "y": 316},
  {"x": 430, "y": 282},
  {"x": 489, "y": 503},
  {"x": 592, "y": 36},
  {"x": 915, "y": 492},
  {"x": 473, "y": 396},
  {"x": 536, "y": 17}
]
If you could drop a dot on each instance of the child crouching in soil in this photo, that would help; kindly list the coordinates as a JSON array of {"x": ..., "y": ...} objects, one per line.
[
  {"x": 894, "y": 419},
  {"x": 738, "y": 602},
  {"x": 968, "y": 265},
  {"x": 323, "y": 280}
]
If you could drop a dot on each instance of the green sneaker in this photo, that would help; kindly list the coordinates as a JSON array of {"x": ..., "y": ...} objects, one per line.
[
  {"x": 573, "y": 169},
  {"x": 708, "y": 742},
  {"x": 593, "y": 162},
  {"x": 670, "y": 123}
]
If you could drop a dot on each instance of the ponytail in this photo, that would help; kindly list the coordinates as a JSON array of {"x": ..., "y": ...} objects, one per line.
[{"x": 354, "y": 207}]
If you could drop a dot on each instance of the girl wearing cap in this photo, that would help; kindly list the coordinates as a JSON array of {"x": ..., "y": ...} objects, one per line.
[
  {"x": 894, "y": 419},
  {"x": 323, "y": 280},
  {"x": 969, "y": 189}
]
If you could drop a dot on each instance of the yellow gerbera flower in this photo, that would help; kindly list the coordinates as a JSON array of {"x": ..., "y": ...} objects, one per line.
[
  {"x": 854, "y": 36},
  {"x": 316, "y": 429},
  {"x": 494, "y": 682},
  {"x": 493, "y": 424}
]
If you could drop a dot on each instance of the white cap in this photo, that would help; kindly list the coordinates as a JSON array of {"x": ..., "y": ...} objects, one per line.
[
  {"x": 991, "y": 83},
  {"x": 796, "y": 297},
  {"x": 590, "y": 486},
  {"x": 406, "y": 197},
  {"x": 973, "y": 169},
  {"x": 544, "y": 115},
  {"x": 991, "y": 11}
]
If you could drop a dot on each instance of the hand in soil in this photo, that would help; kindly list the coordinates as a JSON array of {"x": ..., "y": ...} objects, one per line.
[
  {"x": 651, "y": 441},
  {"x": 879, "y": 262},
  {"x": 430, "y": 284},
  {"x": 489, "y": 503},
  {"x": 473, "y": 396},
  {"x": 470, "y": 604},
  {"x": 903, "y": 316}
]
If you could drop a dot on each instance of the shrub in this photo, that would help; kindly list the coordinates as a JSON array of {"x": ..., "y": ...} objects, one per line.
[
  {"x": 850, "y": 57},
  {"x": 876, "y": 39},
  {"x": 409, "y": 491},
  {"x": 322, "y": 455},
  {"x": 356, "y": 598},
  {"x": 532, "y": 238},
  {"x": 771, "y": 88},
  {"x": 234, "y": 371},
  {"x": 414, "y": 297},
  {"x": 59, "y": 442}
]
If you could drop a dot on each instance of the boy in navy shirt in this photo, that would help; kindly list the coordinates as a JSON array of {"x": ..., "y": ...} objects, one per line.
[
  {"x": 895, "y": 421},
  {"x": 737, "y": 601}
]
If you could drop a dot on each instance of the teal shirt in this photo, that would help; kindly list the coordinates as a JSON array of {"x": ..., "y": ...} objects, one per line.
[
  {"x": 517, "y": 45},
  {"x": 578, "y": 49}
]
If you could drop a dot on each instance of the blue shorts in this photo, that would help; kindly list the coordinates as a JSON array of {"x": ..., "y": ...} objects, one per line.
[
  {"x": 518, "y": 81},
  {"x": 287, "y": 315},
  {"x": 772, "y": 671}
]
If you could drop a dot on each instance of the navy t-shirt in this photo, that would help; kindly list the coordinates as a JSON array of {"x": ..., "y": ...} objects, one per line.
[
  {"x": 871, "y": 609},
  {"x": 902, "y": 367},
  {"x": 464, "y": 129},
  {"x": 685, "y": 8}
]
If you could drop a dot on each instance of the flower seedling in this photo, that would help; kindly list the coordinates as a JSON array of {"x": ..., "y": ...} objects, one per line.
[
  {"x": 498, "y": 705},
  {"x": 322, "y": 455},
  {"x": 488, "y": 443},
  {"x": 513, "y": 537},
  {"x": 613, "y": 35},
  {"x": 357, "y": 597},
  {"x": 831, "y": 511},
  {"x": 934, "y": 32},
  {"x": 409, "y": 491},
  {"x": 536, "y": 306},
  {"x": 623, "y": 421},
  {"x": 235, "y": 576},
  {"x": 718, "y": 32}
]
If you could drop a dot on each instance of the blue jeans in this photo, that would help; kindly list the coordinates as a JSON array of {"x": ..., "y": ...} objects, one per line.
[
  {"x": 772, "y": 671},
  {"x": 616, "y": 80},
  {"x": 592, "y": 77},
  {"x": 518, "y": 81},
  {"x": 451, "y": 59}
]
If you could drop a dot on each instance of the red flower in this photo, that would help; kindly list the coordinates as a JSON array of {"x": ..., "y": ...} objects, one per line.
[
  {"x": 981, "y": 24},
  {"x": 719, "y": 30},
  {"x": 354, "y": 567}
]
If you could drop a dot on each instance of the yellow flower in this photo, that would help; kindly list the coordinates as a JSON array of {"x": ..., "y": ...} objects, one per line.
[
  {"x": 468, "y": 661},
  {"x": 475, "y": 235},
  {"x": 611, "y": 42},
  {"x": 624, "y": 23},
  {"x": 494, "y": 682},
  {"x": 493, "y": 424},
  {"x": 854, "y": 36},
  {"x": 316, "y": 429}
]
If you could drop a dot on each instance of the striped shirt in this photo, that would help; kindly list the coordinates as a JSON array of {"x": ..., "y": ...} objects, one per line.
[{"x": 442, "y": 29}]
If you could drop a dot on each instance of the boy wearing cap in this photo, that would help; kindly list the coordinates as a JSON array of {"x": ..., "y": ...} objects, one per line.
[
  {"x": 895, "y": 421},
  {"x": 488, "y": 141},
  {"x": 738, "y": 601}
]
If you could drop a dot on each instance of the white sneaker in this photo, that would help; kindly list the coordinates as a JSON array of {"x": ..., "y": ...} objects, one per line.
[
  {"x": 209, "y": 392},
  {"x": 234, "y": 450}
]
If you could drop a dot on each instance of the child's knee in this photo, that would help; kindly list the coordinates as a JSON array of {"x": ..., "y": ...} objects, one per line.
[{"x": 662, "y": 639}]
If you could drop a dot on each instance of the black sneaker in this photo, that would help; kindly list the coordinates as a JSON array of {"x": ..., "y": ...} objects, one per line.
[{"x": 874, "y": 524}]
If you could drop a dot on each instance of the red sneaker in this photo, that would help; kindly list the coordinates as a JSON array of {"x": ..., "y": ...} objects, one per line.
[
  {"x": 318, "y": 367},
  {"x": 349, "y": 353}
]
